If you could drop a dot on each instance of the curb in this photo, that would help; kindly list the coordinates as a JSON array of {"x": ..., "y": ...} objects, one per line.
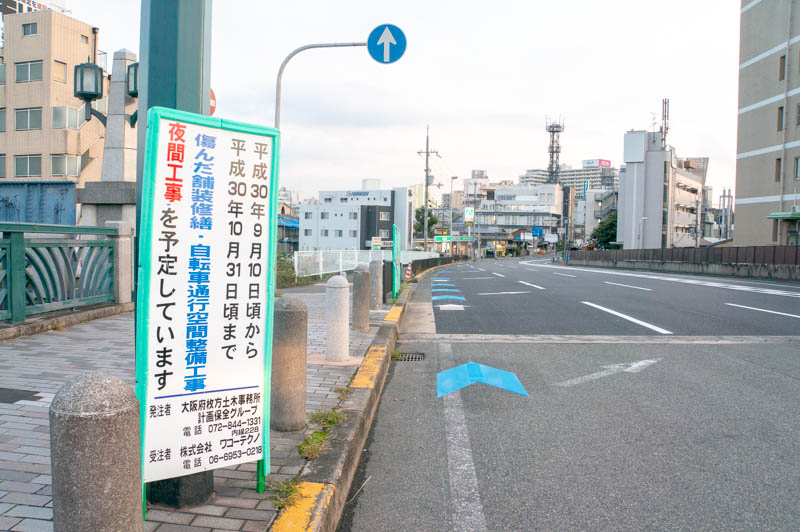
[
  {"x": 36, "y": 325},
  {"x": 325, "y": 481}
]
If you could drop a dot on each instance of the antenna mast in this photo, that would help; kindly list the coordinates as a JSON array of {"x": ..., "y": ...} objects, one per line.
[
  {"x": 555, "y": 129},
  {"x": 664, "y": 121}
]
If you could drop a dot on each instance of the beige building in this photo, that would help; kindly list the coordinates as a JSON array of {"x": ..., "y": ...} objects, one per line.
[
  {"x": 768, "y": 144},
  {"x": 43, "y": 131}
]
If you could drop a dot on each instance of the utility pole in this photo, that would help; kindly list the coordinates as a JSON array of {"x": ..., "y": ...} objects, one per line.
[
  {"x": 428, "y": 180},
  {"x": 697, "y": 223},
  {"x": 453, "y": 178}
]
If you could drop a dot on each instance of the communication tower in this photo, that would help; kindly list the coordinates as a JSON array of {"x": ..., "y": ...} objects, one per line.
[{"x": 555, "y": 129}]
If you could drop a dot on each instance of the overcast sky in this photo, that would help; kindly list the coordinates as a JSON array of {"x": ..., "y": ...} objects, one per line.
[{"x": 484, "y": 75}]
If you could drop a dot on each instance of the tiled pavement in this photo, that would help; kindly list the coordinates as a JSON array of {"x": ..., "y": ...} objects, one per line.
[{"x": 41, "y": 364}]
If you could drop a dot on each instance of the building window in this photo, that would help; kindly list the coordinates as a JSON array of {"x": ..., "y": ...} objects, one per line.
[
  {"x": 797, "y": 167},
  {"x": 352, "y": 233},
  {"x": 28, "y": 166},
  {"x": 2, "y": 74},
  {"x": 780, "y": 118},
  {"x": 64, "y": 165},
  {"x": 27, "y": 119},
  {"x": 324, "y": 232},
  {"x": 84, "y": 39},
  {"x": 338, "y": 233},
  {"x": 29, "y": 29},
  {"x": 353, "y": 215},
  {"x": 307, "y": 215},
  {"x": 29, "y": 71},
  {"x": 327, "y": 200},
  {"x": 324, "y": 215},
  {"x": 2, "y": 119},
  {"x": 778, "y": 169},
  {"x": 384, "y": 233},
  {"x": 774, "y": 230},
  {"x": 59, "y": 71},
  {"x": 306, "y": 232},
  {"x": 343, "y": 200},
  {"x": 2, "y": 165},
  {"x": 782, "y": 68},
  {"x": 384, "y": 216}
]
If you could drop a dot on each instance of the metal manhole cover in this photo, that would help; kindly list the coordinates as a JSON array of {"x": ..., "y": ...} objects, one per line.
[{"x": 411, "y": 357}]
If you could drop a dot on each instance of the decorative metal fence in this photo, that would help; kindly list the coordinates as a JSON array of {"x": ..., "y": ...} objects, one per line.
[
  {"x": 341, "y": 260},
  {"x": 44, "y": 273}
]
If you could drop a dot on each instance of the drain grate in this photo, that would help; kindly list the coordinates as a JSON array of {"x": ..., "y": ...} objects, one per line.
[{"x": 411, "y": 357}]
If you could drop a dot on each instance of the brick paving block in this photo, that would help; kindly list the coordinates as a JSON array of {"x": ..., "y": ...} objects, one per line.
[
  {"x": 33, "y": 525},
  {"x": 43, "y": 479},
  {"x": 227, "y": 491},
  {"x": 228, "y": 473},
  {"x": 256, "y": 526},
  {"x": 217, "y": 522},
  {"x": 35, "y": 512},
  {"x": 4, "y": 506},
  {"x": 46, "y": 490},
  {"x": 167, "y": 516},
  {"x": 169, "y": 527},
  {"x": 150, "y": 526},
  {"x": 24, "y": 487},
  {"x": 252, "y": 515},
  {"x": 19, "y": 476},
  {"x": 35, "y": 459},
  {"x": 267, "y": 506},
  {"x": 279, "y": 478},
  {"x": 253, "y": 494},
  {"x": 7, "y": 522},
  {"x": 291, "y": 470},
  {"x": 250, "y": 466},
  {"x": 16, "y": 425},
  {"x": 13, "y": 457},
  {"x": 41, "y": 451},
  {"x": 31, "y": 499},
  {"x": 207, "y": 509}
]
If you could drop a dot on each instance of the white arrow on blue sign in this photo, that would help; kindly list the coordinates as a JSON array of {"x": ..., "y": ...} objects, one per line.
[{"x": 386, "y": 43}]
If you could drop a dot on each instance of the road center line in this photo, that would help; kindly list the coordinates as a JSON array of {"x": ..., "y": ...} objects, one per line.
[
  {"x": 563, "y": 274},
  {"x": 501, "y": 293},
  {"x": 762, "y": 310},
  {"x": 481, "y": 269},
  {"x": 474, "y": 278},
  {"x": 466, "y": 512},
  {"x": 498, "y": 274},
  {"x": 533, "y": 285},
  {"x": 629, "y": 318},
  {"x": 628, "y": 286}
]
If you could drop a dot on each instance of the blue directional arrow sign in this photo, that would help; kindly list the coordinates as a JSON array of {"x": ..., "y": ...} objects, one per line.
[
  {"x": 454, "y": 379},
  {"x": 386, "y": 43}
]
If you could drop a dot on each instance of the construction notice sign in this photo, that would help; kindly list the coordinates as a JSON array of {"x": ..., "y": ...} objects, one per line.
[{"x": 205, "y": 293}]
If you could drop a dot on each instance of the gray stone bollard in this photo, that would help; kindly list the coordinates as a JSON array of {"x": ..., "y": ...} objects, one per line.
[
  {"x": 289, "y": 339},
  {"x": 361, "y": 289},
  {"x": 95, "y": 455},
  {"x": 337, "y": 316},
  {"x": 376, "y": 284}
]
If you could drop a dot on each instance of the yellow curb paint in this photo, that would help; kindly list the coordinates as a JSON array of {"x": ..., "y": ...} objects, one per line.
[
  {"x": 365, "y": 378},
  {"x": 394, "y": 313},
  {"x": 306, "y": 507}
]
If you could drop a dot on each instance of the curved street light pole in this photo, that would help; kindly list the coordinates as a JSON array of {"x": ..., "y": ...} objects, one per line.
[{"x": 285, "y": 61}]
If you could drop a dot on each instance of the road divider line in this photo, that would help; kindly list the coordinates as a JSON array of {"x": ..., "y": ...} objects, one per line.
[
  {"x": 531, "y": 284},
  {"x": 475, "y": 278},
  {"x": 481, "y": 269},
  {"x": 501, "y": 293},
  {"x": 498, "y": 274},
  {"x": 564, "y": 274},
  {"x": 466, "y": 512},
  {"x": 629, "y": 318},
  {"x": 628, "y": 286},
  {"x": 763, "y": 310}
]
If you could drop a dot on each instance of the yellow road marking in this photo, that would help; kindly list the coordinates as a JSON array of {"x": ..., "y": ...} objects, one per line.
[
  {"x": 394, "y": 313},
  {"x": 365, "y": 378},
  {"x": 306, "y": 508}
]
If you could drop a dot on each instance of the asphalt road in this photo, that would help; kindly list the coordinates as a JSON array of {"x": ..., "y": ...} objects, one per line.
[{"x": 684, "y": 419}]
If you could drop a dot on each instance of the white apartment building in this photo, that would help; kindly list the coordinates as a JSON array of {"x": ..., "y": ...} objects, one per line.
[
  {"x": 349, "y": 219},
  {"x": 598, "y": 174},
  {"x": 512, "y": 207},
  {"x": 660, "y": 195}
]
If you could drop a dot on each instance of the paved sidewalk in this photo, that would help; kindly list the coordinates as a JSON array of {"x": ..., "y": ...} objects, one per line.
[{"x": 33, "y": 368}]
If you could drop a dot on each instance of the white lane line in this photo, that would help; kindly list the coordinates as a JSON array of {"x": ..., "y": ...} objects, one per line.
[
  {"x": 628, "y": 286},
  {"x": 629, "y": 318},
  {"x": 502, "y": 293},
  {"x": 465, "y": 499},
  {"x": 473, "y": 278},
  {"x": 481, "y": 269},
  {"x": 531, "y": 284},
  {"x": 498, "y": 274},
  {"x": 563, "y": 274},
  {"x": 764, "y": 310}
]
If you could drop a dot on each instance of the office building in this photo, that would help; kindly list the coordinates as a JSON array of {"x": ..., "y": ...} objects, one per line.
[
  {"x": 597, "y": 173},
  {"x": 508, "y": 208},
  {"x": 418, "y": 196},
  {"x": 44, "y": 135},
  {"x": 768, "y": 143},
  {"x": 349, "y": 219},
  {"x": 660, "y": 195}
]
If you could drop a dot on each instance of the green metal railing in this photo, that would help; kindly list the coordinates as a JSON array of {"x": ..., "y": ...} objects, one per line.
[{"x": 46, "y": 274}]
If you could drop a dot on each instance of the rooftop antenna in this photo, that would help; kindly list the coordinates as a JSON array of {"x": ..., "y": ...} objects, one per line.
[
  {"x": 555, "y": 129},
  {"x": 664, "y": 121}
]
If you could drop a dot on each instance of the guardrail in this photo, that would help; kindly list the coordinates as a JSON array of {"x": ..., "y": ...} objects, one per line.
[
  {"x": 321, "y": 262},
  {"x": 46, "y": 274},
  {"x": 770, "y": 255}
]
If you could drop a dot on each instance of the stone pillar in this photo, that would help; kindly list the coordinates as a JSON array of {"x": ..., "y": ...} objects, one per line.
[
  {"x": 361, "y": 288},
  {"x": 337, "y": 317},
  {"x": 123, "y": 262},
  {"x": 288, "y": 396},
  {"x": 95, "y": 455},
  {"x": 376, "y": 284}
]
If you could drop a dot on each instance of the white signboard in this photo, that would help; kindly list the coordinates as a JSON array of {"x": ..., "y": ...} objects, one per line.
[
  {"x": 551, "y": 238},
  {"x": 469, "y": 214},
  {"x": 204, "y": 306}
]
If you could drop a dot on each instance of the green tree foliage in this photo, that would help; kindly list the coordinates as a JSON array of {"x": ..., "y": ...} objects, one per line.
[
  {"x": 419, "y": 221},
  {"x": 606, "y": 232}
]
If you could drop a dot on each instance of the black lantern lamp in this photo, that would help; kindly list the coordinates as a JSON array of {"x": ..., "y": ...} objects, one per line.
[
  {"x": 132, "y": 85},
  {"x": 89, "y": 87}
]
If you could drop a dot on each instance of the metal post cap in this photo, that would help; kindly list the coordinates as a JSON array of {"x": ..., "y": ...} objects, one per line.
[{"x": 96, "y": 392}]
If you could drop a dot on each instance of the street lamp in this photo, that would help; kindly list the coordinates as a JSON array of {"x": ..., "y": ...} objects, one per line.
[
  {"x": 132, "y": 86},
  {"x": 89, "y": 87},
  {"x": 451, "y": 213}
]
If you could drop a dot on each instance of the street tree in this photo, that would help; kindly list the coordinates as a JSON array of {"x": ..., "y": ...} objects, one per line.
[{"x": 419, "y": 221}]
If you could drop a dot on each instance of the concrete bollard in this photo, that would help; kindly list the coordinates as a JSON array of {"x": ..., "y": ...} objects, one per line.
[
  {"x": 361, "y": 289},
  {"x": 95, "y": 455},
  {"x": 290, "y": 330},
  {"x": 376, "y": 284},
  {"x": 337, "y": 316}
]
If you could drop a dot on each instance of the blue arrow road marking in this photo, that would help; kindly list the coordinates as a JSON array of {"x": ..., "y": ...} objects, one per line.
[
  {"x": 442, "y": 284},
  {"x": 445, "y": 290},
  {"x": 453, "y": 379},
  {"x": 437, "y": 298}
]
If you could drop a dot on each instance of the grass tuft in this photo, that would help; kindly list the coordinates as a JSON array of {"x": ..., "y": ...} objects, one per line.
[
  {"x": 313, "y": 445},
  {"x": 284, "y": 492},
  {"x": 327, "y": 418}
]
